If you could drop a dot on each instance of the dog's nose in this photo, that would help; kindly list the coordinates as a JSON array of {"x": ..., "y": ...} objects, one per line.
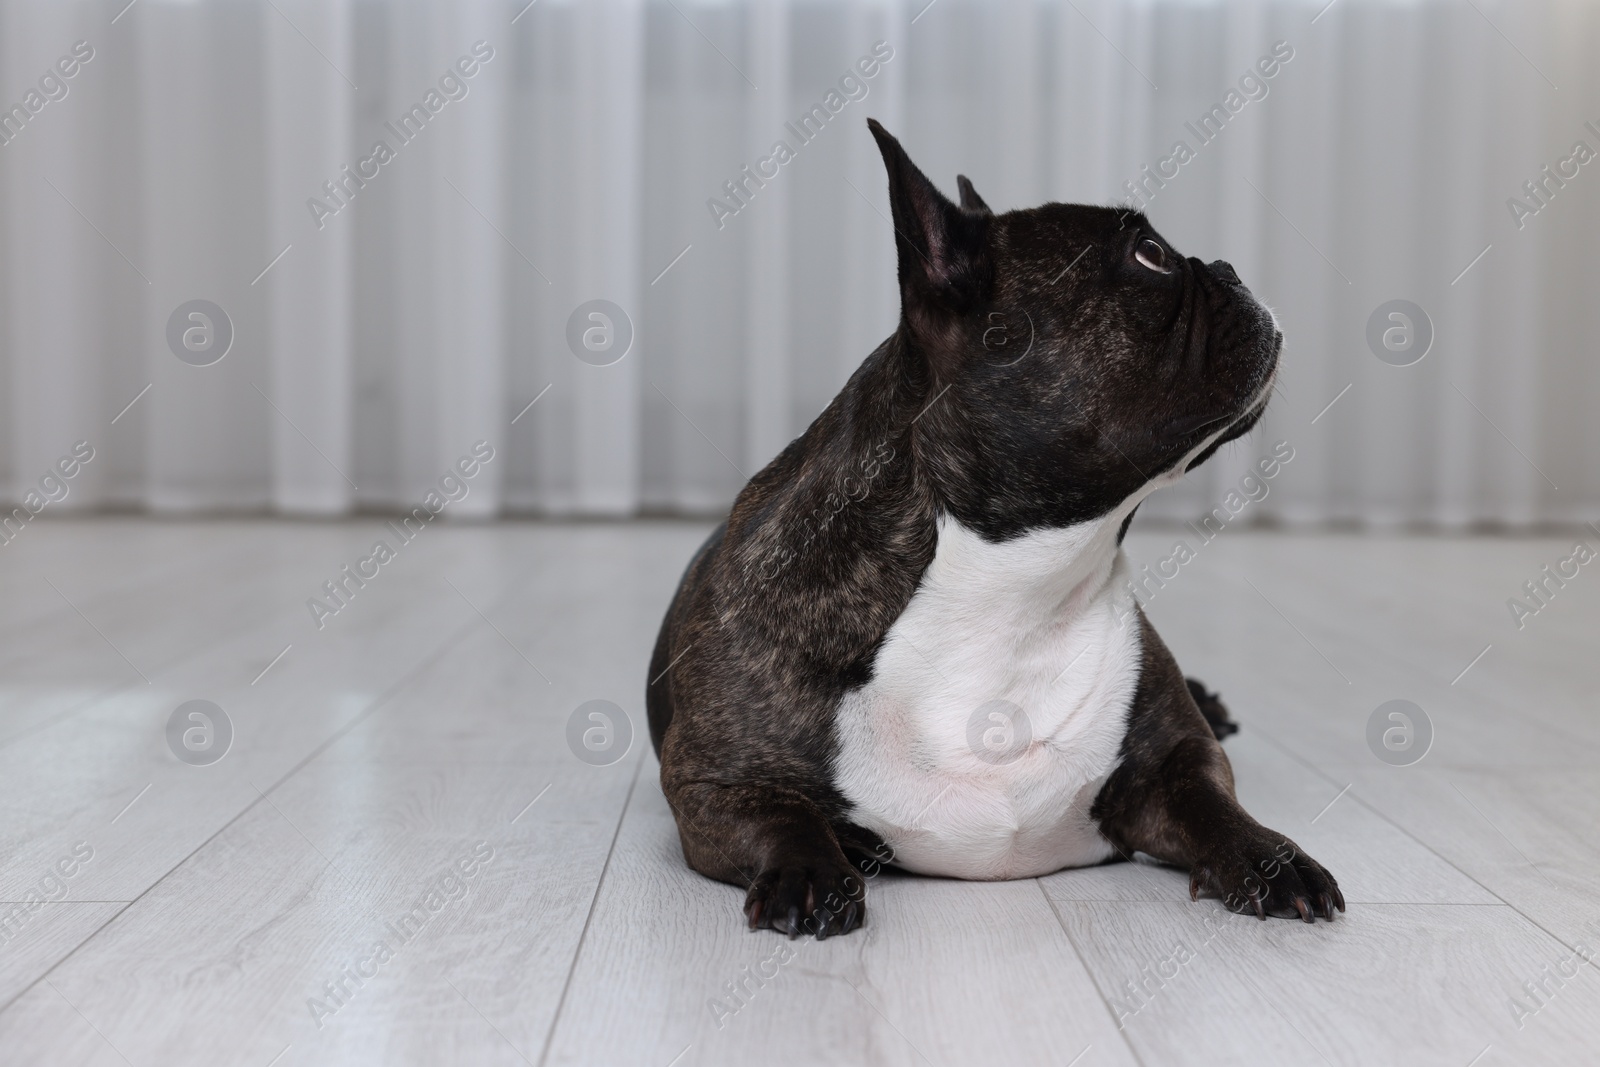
[{"x": 1224, "y": 270}]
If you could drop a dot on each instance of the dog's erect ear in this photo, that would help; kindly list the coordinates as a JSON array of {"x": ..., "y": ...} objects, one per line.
[
  {"x": 941, "y": 247},
  {"x": 970, "y": 200}
]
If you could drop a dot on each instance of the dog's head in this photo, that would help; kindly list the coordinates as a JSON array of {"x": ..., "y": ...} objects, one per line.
[{"x": 1076, "y": 357}]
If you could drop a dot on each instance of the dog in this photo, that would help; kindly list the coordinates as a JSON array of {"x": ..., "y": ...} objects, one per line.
[{"x": 913, "y": 640}]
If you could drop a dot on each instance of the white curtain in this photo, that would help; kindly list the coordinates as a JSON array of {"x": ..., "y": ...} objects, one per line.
[{"x": 374, "y": 344}]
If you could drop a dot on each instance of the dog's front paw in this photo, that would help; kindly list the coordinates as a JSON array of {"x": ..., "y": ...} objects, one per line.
[
  {"x": 1269, "y": 874},
  {"x": 807, "y": 898}
]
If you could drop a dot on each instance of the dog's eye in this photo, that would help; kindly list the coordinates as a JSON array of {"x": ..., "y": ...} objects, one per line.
[{"x": 1152, "y": 255}]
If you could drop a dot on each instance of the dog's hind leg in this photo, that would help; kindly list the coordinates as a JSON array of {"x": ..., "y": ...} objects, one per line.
[
  {"x": 777, "y": 844},
  {"x": 1212, "y": 707}
]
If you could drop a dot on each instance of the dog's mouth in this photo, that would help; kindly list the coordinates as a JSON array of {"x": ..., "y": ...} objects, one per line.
[
  {"x": 1195, "y": 427},
  {"x": 1223, "y": 302},
  {"x": 1240, "y": 423}
]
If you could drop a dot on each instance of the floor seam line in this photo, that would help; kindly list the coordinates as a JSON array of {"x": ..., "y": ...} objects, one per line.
[
  {"x": 594, "y": 902},
  {"x": 377, "y": 703},
  {"x": 1089, "y": 973},
  {"x": 1447, "y": 861}
]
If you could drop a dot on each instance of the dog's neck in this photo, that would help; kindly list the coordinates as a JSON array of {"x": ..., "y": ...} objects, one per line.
[{"x": 1046, "y": 574}]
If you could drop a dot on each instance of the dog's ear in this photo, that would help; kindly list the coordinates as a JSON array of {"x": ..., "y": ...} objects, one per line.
[
  {"x": 970, "y": 200},
  {"x": 943, "y": 260}
]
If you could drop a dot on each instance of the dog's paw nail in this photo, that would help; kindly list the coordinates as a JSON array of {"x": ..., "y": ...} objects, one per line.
[
  {"x": 1270, "y": 875},
  {"x": 814, "y": 899}
]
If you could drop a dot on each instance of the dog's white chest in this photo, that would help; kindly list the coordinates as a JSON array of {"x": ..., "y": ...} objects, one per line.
[{"x": 997, "y": 707}]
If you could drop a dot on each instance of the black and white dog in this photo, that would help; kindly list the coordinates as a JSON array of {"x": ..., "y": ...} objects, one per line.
[{"x": 913, "y": 638}]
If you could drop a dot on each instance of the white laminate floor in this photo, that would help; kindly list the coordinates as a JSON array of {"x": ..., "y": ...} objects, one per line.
[{"x": 160, "y": 913}]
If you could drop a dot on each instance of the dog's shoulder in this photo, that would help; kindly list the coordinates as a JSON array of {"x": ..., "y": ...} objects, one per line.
[{"x": 783, "y": 609}]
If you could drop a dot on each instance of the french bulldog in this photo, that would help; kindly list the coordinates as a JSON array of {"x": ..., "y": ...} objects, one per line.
[{"x": 913, "y": 640}]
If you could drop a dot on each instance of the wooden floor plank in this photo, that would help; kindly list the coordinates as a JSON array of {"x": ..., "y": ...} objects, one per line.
[
  {"x": 311, "y": 876},
  {"x": 1414, "y": 984},
  {"x": 34, "y": 935},
  {"x": 944, "y": 972},
  {"x": 381, "y": 810}
]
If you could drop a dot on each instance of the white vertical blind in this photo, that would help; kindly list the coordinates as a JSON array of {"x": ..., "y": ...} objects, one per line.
[
  {"x": 49, "y": 252},
  {"x": 605, "y": 260},
  {"x": 371, "y": 350},
  {"x": 200, "y": 212},
  {"x": 768, "y": 398},
  {"x": 311, "y": 300}
]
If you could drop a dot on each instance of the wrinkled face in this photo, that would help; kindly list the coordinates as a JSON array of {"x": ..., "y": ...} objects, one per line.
[
  {"x": 1140, "y": 359},
  {"x": 1085, "y": 357}
]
